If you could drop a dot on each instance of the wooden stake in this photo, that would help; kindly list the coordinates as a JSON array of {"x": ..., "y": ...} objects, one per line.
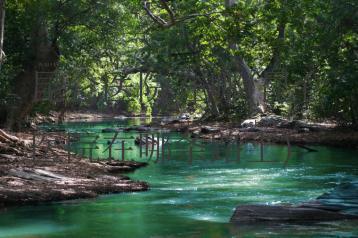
[
  {"x": 140, "y": 145},
  {"x": 123, "y": 150},
  {"x": 146, "y": 145}
]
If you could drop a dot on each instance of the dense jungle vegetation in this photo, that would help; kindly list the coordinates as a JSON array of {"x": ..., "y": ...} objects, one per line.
[{"x": 223, "y": 59}]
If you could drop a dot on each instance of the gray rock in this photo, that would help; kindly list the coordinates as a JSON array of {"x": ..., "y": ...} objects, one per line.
[
  {"x": 340, "y": 203},
  {"x": 249, "y": 129},
  {"x": 264, "y": 213},
  {"x": 270, "y": 121},
  {"x": 209, "y": 129}
]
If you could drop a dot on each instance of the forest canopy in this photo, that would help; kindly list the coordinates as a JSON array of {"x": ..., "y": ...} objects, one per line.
[{"x": 226, "y": 59}]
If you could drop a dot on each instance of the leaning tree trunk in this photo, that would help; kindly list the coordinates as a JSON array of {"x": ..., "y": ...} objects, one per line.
[
  {"x": 254, "y": 96},
  {"x": 45, "y": 59}
]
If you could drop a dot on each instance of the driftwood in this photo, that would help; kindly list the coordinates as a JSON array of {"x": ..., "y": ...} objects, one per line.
[
  {"x": 36, "y": 174},
  {"x": 5, "y": 137}
]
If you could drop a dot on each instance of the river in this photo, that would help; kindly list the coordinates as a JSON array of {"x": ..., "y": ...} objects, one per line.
[{"x": 194, "y": 197}]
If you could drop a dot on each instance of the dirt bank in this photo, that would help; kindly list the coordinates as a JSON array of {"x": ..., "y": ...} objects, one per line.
[
  {"x": 51, "y": 176},
  {"x": 314, "y": 134}
]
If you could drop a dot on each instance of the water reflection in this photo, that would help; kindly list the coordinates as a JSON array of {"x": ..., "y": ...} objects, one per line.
[{"x": 195, "y": 199}]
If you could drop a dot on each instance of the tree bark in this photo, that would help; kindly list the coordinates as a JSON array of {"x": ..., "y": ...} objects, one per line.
[
  {"x": 2, "y": 30},
  {"x": 45, "y": 58},
  {"x": 254, "y": 96}
]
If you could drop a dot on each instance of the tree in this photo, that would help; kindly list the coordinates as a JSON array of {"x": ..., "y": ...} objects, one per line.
[{"x": 2, "y": 30}]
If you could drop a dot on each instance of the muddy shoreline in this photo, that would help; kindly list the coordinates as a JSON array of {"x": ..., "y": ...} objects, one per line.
[
  {"x": 315, "y": 134},
  {"x": 325, "y": 135},
  {"x": 53, "y": 176}
]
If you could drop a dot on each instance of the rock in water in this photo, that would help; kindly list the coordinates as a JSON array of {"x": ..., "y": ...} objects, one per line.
[
  {"x": 344, "y": 196},
  {"x": 209, "y": 129},
  {"x": 340, "y": 203},
  {"x": 265, "y": 213}
]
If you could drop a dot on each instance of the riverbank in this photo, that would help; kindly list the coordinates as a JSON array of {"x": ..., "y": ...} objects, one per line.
[
  {"x": 293, "y": 132},
  {"x": 52, "y": 176},
  {"x": 269, "y": 129}
]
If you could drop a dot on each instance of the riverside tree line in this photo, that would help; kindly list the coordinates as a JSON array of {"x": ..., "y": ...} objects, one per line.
[{"x": 224, "y": 59}]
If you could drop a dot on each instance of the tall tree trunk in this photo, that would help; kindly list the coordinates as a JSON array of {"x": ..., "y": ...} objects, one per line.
[
  {"x": 254, "y": 96},
  {"x": 45, "y": 59},
  {"x": 2, "y": 30},
  {"x": 211, "y": 99}
]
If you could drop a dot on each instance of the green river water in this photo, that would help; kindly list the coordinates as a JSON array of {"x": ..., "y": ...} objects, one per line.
[{"x": 194, "y": 198}]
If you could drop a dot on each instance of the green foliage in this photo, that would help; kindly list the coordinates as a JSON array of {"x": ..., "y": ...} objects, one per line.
[{"x": 104, "y": 46}]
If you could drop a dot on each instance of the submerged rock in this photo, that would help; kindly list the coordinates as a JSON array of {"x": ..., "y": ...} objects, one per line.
[
  {"x": 266, "y": 213},
  {"x": 340, "y": 203}
]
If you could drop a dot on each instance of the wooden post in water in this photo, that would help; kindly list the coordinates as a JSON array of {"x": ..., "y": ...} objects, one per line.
[
  {"x": 152, "y": 149},
  {"x": 140, "y": 145},
  {"x": 146, "y": 145},
  {"x": 110, "y": 152},
  {"x": 123, "y": 150}
]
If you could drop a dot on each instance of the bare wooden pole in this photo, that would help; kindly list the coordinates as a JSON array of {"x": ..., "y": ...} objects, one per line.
[
  {"x": 110, "y": 152},
  {"x": 146, "y": 145},
  {"x": 140, "y": 145},
  {"x": 123, "y": 150}
]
